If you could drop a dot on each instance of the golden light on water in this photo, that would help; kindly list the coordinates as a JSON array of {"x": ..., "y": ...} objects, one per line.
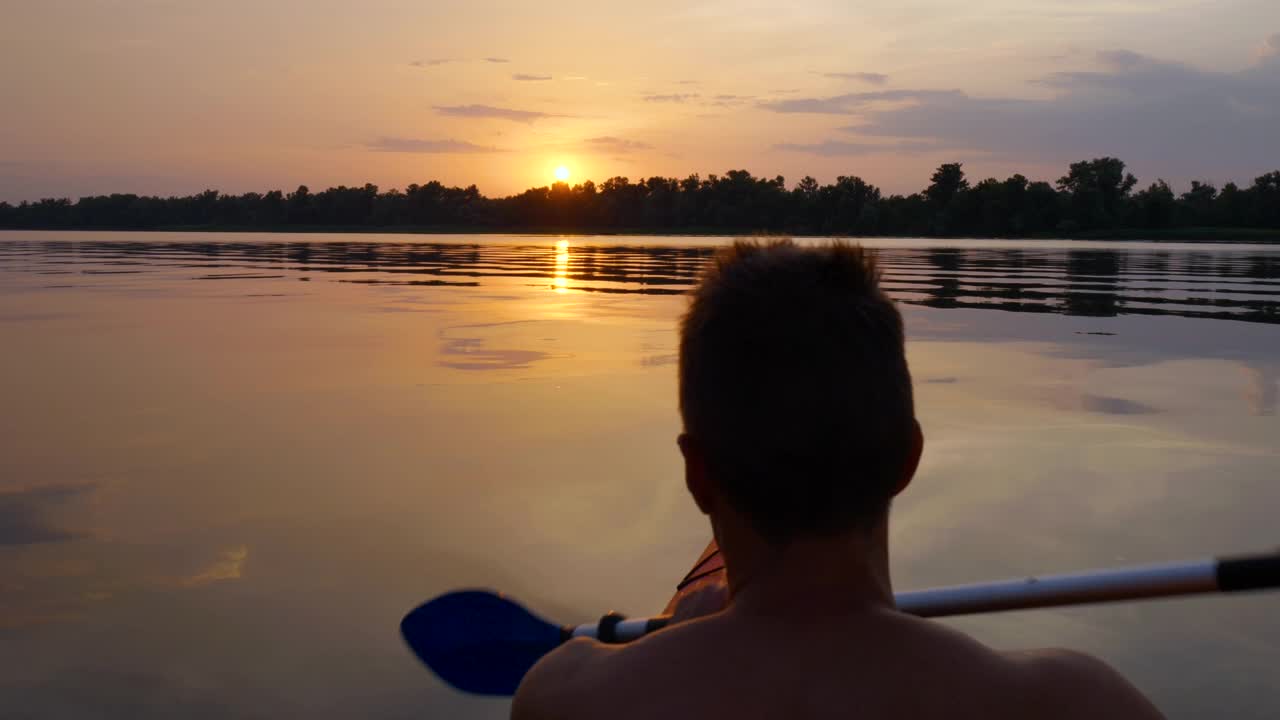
[
  {"x": 561, "y": 280},
  {"x": 562, "y": 173}
]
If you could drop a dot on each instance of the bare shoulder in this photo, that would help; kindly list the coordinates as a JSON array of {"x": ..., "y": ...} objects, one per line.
[
  {"x": 556, "y": 686},
  {"x": 1050, "y": 683},
  {"x": 583, "y": 677},
  {"x": 1069, "y": 684}
]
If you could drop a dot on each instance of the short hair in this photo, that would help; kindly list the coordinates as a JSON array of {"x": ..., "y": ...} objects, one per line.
[{"x": 794, "y": 382}]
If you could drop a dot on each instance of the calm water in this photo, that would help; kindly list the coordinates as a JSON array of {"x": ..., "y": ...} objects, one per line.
[{"x": 230, "y": 463}]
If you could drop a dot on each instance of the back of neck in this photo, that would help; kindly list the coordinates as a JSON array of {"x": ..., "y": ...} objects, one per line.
[{"x": 811, "y": 576}]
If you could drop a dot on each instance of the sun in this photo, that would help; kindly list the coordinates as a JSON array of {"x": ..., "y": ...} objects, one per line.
[{"x": 562, "y": 173}]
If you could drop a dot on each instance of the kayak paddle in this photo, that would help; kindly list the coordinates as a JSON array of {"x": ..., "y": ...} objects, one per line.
[{"x": 484, "y": 643}]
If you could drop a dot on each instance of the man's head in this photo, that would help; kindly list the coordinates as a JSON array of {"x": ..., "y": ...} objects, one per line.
[{"x": 795, "y": 391}]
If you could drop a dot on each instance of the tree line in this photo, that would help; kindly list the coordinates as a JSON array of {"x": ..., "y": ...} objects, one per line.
[{"x": 1095, "y": 196}]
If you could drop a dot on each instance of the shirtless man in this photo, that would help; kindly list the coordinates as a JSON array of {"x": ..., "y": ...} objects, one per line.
[{"x": 799, "y": 429}]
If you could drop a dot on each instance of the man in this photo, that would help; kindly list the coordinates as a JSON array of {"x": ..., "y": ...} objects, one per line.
[{"x": 799, "y": 429}]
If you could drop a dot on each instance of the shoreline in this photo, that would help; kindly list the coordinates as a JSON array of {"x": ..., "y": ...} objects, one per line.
[{"x": 1186, "y": 235}]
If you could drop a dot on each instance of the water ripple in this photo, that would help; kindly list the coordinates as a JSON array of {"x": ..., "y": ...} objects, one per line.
[{"x": 1226, "y": 282}]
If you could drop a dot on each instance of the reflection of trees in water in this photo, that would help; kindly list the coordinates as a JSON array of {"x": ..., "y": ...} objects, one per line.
[
  {"x": 1156, "y": 263},
  {"x": 1087, "y": 281},
  {"x": 946, "y": 282},
  {"x": 1091, "y": 283},
  {"x": 298, "y": 253},
  {"x": 997, "y": 266},
  {"x": 1264, "y": 266}
]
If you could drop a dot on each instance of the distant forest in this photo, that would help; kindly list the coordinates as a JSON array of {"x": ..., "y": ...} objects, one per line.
[{"x": 1095, "y": 198}]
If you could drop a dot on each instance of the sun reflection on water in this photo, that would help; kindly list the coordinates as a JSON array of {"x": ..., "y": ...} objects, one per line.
[{"x": 561, "y": 280}]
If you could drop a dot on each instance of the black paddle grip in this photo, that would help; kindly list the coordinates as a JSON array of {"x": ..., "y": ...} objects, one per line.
[
  {"x": 1249, "y": 572},
  {"x": 607, "y": 630}
]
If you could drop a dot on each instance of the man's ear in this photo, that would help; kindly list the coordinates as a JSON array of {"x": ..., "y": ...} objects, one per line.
[
  {"x": 915, "y": 450},
  {"x": 695, "y": 473}
]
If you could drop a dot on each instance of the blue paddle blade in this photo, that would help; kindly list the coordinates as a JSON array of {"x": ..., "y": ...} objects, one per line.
[{"x": 477, "y": 641}]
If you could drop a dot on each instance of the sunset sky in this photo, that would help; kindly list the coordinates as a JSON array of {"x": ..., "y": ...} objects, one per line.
[{"x": 171, "y": 96}]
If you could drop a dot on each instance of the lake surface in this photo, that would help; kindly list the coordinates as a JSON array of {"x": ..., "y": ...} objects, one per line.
[{"x": 229, "y": 463}]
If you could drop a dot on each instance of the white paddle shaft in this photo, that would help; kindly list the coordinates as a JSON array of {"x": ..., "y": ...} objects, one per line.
[
  {"x": 1145, "y": 581},
  {"x": 1231, "y": 574}
]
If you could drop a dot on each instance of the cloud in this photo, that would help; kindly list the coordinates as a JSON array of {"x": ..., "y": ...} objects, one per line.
[
  {"x": 1115, "y": 405},
  {"x": 671, "y": 98},
  {"x": 529, "y": 78},
  {"x": 836, "y": 148},
  {"x": 496, "y": 60},
  {"x": 688, "y": 82},
  {"x": 228, "y": 566},
  {"x": 575, "y": 77},
  {"x": 1130, "y": 73},
  {"x": 489, "y": 111},
  {"x": 850, "y": 103},
  {"x": 727, "y": 100},
  {"x": 1164, "y": 118},
  {"x": 431, "y": 63},
  {"x": 877, "y": 79},
  {"x": 1121, "y": 59},
  {"x": 610, "y": 144},
  {"x": 1270, "y": 48},
  {"x": 24, "y": 514},
  {"x": 413, "y": 145}
]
